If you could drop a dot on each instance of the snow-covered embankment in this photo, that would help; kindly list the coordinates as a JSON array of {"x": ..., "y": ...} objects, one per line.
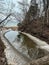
[{"x": 42, "y": 44}]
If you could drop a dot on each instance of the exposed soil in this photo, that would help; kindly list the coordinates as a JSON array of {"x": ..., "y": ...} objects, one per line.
[{"x": 3, "y": 60}]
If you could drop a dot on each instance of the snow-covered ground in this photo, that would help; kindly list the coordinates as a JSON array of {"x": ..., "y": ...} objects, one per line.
[{"x": 42, "y": 44}]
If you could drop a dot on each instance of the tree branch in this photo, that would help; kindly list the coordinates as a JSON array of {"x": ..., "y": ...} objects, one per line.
[{"x": 5, "y": 18}]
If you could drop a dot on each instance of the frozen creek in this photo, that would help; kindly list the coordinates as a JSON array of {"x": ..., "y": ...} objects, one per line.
[{"x": 20, "y": 49}]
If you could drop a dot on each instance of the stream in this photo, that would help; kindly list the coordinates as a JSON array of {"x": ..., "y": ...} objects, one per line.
[{"x": 25, "y": 45}]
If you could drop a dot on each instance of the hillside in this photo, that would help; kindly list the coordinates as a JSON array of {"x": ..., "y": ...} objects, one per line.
[{"x": 37, "y": 26}]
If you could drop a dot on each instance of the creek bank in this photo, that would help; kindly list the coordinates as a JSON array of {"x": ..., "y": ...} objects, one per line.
[
  {"x": 40, "y": 43},
  {"x": 41, "y": 61},
  {"x": 37, "y": 27},
  {"x": 3, "y": 60}
]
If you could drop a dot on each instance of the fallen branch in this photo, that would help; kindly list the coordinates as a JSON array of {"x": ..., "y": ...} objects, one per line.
[{"x": 5, "y": 18}]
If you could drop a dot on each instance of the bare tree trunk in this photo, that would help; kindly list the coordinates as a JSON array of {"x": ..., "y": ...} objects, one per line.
[{"x": 47, "y": 17}]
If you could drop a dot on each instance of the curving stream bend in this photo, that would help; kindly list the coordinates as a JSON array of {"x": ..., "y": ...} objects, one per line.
[{"x": 28, "y": 46}]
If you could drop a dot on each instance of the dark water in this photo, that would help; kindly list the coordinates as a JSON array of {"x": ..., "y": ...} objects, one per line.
[
  {"x": 26, "y": 46},
  {"x": 33, "y": 50}
]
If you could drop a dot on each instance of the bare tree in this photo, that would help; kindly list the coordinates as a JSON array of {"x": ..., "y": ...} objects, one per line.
[
  {"x": 46, "y": 6},
  {"x": 5, "y": 19},
  {"x": 24, "y": 6}
]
